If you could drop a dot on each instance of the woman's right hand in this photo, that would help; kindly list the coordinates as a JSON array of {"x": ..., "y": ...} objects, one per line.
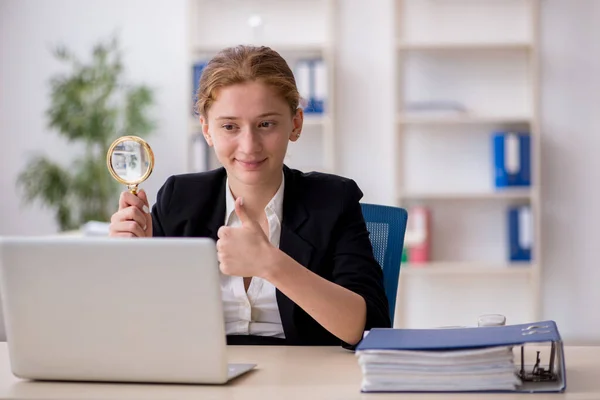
[{"x": 133, "y": 218}]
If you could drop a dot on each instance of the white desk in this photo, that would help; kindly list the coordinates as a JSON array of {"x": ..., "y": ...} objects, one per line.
[{"x": 289, "y": 373}]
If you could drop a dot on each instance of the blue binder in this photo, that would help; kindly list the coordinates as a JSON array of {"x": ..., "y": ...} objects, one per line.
[
  {"x": 311, "y": 78},
  {"x": 550, "y": 377},
  {"x": 512, "y": 159},
  {"x": 520, "y": 235},
  {"x": 197, "y": 70}
]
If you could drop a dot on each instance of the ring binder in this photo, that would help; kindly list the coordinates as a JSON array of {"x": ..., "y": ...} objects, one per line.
[{"x": 448, "y": 359}]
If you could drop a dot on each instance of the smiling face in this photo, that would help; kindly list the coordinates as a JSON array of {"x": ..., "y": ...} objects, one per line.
[{"x": 250, "y": 126}]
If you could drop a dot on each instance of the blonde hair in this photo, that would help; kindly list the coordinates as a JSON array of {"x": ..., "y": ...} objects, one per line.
[{"x": 243, "y": 64}]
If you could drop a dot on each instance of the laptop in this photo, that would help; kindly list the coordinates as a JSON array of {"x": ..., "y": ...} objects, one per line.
[{"x": 115, "y": 310}]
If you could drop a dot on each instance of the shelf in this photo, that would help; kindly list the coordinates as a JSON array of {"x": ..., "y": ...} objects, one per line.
[
  {"x": 461, "y": 120},
  {"x": 508, "y": 194},
  {"x": 315, "y": 120},
  {"x": 283, "y": 48},
  {"x": 467, "y": 268},
  {"x": 310, "y": 120},
  {"x": 448, "y": 46}
]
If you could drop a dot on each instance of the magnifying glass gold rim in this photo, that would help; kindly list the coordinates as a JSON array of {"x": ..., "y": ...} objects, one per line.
[{"x": 131, "y": 184}]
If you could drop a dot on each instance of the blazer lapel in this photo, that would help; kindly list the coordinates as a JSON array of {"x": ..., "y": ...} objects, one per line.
[
  {"x": 291, "y": 243},
  {"x": 294, "y": 217},
  {"x": 209, "y": 214},
  {"x": 217, "y": 216}
]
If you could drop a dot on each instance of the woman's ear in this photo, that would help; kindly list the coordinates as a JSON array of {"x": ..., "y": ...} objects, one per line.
[
  {"x": 205, "y": 132},
  {"x": 297, "y": 122}
]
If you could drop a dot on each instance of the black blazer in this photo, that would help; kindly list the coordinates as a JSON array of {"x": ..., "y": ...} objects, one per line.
[{"x": 322, "y": 228}]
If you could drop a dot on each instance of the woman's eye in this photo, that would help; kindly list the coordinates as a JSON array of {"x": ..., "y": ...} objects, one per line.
[
  {"x": 266, "y": 124},
  {"x": 228, "y": 127}
]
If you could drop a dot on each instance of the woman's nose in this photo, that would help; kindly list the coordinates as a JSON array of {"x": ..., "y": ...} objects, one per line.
[{"x": 250, "y": 141}]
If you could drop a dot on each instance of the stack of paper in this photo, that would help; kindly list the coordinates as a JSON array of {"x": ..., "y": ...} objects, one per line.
[
  {"x": 461, "y": 359},
  {"x": 442, "y": 370}
]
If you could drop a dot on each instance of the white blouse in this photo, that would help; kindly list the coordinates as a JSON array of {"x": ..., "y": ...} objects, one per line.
[{"x": 255, "y": 312}]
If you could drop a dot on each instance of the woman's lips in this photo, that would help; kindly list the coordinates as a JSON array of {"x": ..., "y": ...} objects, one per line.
[{"x": 250, "y": 165}]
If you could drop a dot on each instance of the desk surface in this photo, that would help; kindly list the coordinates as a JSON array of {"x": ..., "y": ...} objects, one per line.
[{"x": 289, "y": 373}]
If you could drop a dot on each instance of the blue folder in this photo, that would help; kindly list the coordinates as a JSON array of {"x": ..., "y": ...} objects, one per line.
[
  {"x": 538, "y": 333},
  {"x": 517, "y": 171},
  {"x": 197, "y": 70},
  {"x": 519, "y": 233}
]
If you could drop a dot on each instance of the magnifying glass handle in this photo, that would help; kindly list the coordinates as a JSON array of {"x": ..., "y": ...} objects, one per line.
[{"x": 133, "y": 189}]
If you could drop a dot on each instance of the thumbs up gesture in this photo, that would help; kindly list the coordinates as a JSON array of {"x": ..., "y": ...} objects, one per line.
[{"x": 244, "y": 250}]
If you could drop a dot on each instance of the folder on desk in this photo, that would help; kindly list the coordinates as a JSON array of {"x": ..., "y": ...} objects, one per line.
[{"x": 463, "y": 359}]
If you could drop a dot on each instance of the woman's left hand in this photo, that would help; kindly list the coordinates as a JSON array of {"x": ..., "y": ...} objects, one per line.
[{"x": 244, "y": 250}]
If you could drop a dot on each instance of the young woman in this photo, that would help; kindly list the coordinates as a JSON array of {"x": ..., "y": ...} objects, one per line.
[{"x": 296, "y": 261}]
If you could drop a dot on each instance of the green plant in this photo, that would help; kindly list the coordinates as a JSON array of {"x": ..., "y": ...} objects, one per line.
[{"x": 90, "y": 106}]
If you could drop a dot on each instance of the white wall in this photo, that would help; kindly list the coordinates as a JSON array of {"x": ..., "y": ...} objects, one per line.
[
  {"x": 571, "y": 167},
  {"x": 153, "y": 36},
  {"x": 365, "y": 103},
  {"x": 154, "y": 33}
]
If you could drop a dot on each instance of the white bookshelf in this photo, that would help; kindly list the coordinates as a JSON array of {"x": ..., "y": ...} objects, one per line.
[
  {"x": 465, "y": 46},
  {"x": 521, "y": 269},
  {"x": 509, "y": 194},
  {"x": 482, "y": 55},
  {"x": 463, "y": 120},
  {"x": 297, "y": 29}
]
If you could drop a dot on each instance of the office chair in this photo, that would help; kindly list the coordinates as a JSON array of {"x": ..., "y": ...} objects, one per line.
[{"x": 387, "y": 226}]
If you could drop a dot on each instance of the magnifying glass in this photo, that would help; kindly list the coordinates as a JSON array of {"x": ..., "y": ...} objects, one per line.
[{"x": 130, "y": 161}]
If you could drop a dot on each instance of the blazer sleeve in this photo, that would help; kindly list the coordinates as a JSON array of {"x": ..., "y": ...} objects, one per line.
[
  {"x": 354, "y": 265},
  {"x": 161, "y": 207}
]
